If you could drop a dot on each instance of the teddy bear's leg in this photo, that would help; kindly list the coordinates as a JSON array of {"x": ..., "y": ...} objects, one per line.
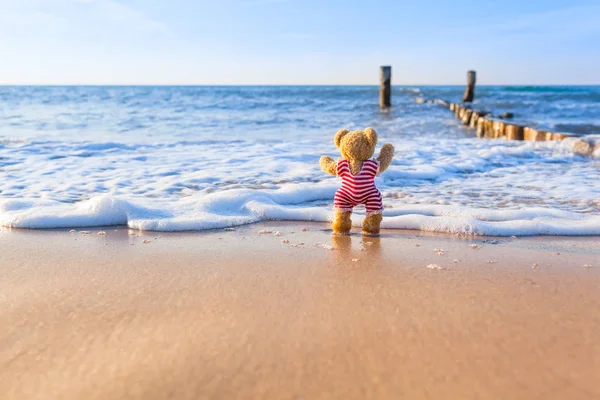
[
  {"x": 371, "y": 224},
  {"x": 342, "y": 222}
]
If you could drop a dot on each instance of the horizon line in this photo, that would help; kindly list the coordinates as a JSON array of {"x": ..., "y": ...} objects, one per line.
[{"x": 281, "y": 85}]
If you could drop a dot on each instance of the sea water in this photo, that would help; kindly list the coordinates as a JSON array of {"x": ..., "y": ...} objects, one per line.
[{"x": 193, "y": 158}]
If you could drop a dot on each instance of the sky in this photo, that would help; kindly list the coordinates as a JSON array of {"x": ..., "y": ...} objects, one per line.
[{"x": 298, "y": 42}]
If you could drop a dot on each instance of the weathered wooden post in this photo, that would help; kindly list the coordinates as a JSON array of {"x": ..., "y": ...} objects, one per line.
[
  {"x": 535, "y": 135},
  {"x": 466, "y": 118},
  {"x": 474, "y": 118},
  {"x": 499, "y": 129},
  {"x": 481, "y": 127},
  {"x": 514, "y": 132},
  {"x": 470, "y": 90},
  {"x": 385, "y": 88}
]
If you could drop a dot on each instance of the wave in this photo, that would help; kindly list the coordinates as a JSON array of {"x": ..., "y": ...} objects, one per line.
[
  {"x": 581, "y": 129},
  {"x": 545, "y": 89},
  {"x": 293, "y": 203}
]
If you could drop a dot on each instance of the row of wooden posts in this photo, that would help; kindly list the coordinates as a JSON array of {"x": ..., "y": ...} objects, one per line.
[{"x": 485, "y": 124}]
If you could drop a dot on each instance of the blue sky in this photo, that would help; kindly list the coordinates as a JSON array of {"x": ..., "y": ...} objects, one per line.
[{"x": 298, "y": 41}]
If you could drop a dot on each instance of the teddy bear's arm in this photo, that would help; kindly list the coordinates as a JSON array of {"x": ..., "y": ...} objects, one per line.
[
  {"x": 385, "y": 156},
  {"x": 328, "y": 165}
]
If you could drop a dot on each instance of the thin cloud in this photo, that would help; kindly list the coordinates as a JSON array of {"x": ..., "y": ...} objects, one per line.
[
  {"x": 65, "y": 14},
  {"x": 574, "y": 21},
  {"x": 299, "y": 36},
  {"x": 263, "y": 2},
  {"x": 116, "y": 12}
]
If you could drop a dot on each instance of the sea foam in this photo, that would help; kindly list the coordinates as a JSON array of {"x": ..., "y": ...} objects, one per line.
[{"x": 238, "y": 207}]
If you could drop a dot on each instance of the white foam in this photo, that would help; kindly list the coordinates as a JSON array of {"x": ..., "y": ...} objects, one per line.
[
  {"x": 238, "y": 207},
  {"x": 467, "y": 186}
]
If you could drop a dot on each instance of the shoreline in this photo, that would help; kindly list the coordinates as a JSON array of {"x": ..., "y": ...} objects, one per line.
[
  {"x": 386, "y": 232},
  {"x": 238, "y": 314}
]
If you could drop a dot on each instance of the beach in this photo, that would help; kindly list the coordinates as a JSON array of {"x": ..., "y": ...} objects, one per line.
[
  {"x": 172, "y": 174},
  {"x": 117, "y": 313}
]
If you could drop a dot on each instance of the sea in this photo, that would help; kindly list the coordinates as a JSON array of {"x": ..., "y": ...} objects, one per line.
[{"x": 195, "y": 158}]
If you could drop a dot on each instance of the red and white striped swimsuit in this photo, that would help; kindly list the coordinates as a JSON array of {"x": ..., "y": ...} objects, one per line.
[{"x": 358, "y": 189}]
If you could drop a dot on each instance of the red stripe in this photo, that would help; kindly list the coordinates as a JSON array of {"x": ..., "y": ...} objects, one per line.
[{"x": 360, "y": 188}]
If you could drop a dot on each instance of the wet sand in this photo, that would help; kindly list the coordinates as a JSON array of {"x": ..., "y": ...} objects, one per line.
[{"x": 235, "y": 314}]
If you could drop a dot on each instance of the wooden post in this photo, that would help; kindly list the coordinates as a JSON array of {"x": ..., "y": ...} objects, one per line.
[
  {"x": 470, "y": 90},
  {"x": 481, "y": 127},
  {"x": 385, "y": 88},
  {"x": 489, "y": 129},
  {"x": 533, "y": 134},
  {"x": 466, "y": 118},
  {"x": 474, "y": 118},
  {"x": 514, "y": 132},
  {"x": 499, "y": 129}
]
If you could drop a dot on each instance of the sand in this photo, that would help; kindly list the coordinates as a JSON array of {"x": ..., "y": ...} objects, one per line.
[{"x": 235, "y": 314}]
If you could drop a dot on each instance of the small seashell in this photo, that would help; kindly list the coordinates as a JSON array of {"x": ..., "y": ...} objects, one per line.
[
  {"x": 285, "y": 241},
  {"x": 147, "y": 241},
  {"x": 455, "y": 261},
  {"x": 72, "y": 231},
  {"x": 355, "y": 260},
  {"x": 305, "y": 229},
  {"x": 326, "y": 247},
  {"x": 85, "y": 232},
  {"x": 474, "y": 246},
  {"x": 101, "y": 233},
  {"x": 435, "y": 266},
  {"x": 276, "y": 233},
  {"x": 587, "y": 266},
  {"x": 264, "y": 232}
]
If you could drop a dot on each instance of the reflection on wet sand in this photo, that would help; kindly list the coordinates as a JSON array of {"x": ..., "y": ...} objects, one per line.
[{"x": 370, "y": 247}]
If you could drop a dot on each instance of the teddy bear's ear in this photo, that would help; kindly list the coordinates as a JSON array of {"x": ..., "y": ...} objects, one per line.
[
  {"x": 371, "y": 136},
  {"x": 339, "y": 135}
]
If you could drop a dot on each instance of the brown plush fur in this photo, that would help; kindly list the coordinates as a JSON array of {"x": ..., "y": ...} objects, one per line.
[
  {"x": 357, "y": 147},
  {"x": 342, "y": 222},
  {"x": 371, "y": 224}
]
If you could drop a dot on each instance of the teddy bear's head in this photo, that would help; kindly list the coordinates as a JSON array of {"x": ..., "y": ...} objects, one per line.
[{"x": 356, "y": 145}]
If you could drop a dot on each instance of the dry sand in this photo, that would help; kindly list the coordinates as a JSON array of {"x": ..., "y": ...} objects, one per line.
[{"x": 234, "y": 314}]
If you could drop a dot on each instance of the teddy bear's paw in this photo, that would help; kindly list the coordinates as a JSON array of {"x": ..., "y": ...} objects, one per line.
[
  {"x": 342, "y": 223},
  {"x": 371, "y": 224}
]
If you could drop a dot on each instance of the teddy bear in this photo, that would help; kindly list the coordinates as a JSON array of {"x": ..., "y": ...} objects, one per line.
[{"x": 357, "y": 169}]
